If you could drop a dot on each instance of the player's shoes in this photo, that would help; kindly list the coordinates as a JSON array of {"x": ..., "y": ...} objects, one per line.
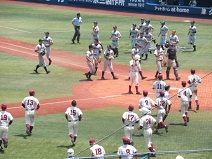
[
  {"x": 156, "y": 131},
  {"x": 78, "y": 42},
  {"x": 47, "y": 72},
  {"x": 50, "y": 61},
  {"x": 35, "y": 71},
  {"x": 5, "y": 144},
  {"x": 189, "y": 108},
  {"x": 1, "y": 148},
  {"x": 115, "y": 78},
  {"x": 143, "y": 77},
  {"x": 73, "y": 42},
  {"x": 187, "y": 119},
  {"x": 130, "y": 92},
  {"x": 197, "y": 108},
  {"x": 89, "y": 79},
  {"x": 138, "y": 93},
  {"x": 178, "y": 78},
  {"x": 166, "y": 129},
  {"x": 185, "y": 124},
  {"x": 102, "y": 78}
]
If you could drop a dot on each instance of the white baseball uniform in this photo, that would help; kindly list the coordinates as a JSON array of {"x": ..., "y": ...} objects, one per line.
[
  {"x": 90, "y": 60},
  {"x": 159, "y": 85},
  {"x": 129, "y": 120},
  {"x": 108, "y": 61},
  {"x": 127, "y": 150},
  {"x": 184, "y": 93},
  {"x": 173, "y": 39},
  {"x": 41, "y": 48},
  {"x": 95, "y": 33},
  {"x": 194, "y": 80},
  {"x": 159, "y": 58},
  {"x": 97, "y": 151},
  {"x": 163, "y": 33},
  {"x": 115, "y": 39},
  {"x": 142, "y": 42},
  {"x": 31, "y": 104},
  {"x": 146, "y": 102},
  {"x": 149, "y": 27},
  {"x": 47, "y": 41},
  {"x": 141, "y": 26},
  {"x": 149, "y": 38},
  {"x": 73, "y": 114},
  {"x": 97, "y": 49},
  {"x": 147, "y": 121},
  {"x": 192, "y": 35},
  {"x": 5, "y": 118},
  {"x": 133, "y": 35},
  {"x": 133, "y": 73},
  {"x": 136, "y": 51}
]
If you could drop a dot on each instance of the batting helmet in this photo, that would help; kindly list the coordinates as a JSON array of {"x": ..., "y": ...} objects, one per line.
[
  {"x": 161, "y": 93},
  {"x": 126, "y": 140},
  {"x": 131, "y": 107},
  {"x": 193, "y": 71},
  {"x": 160, "y": 76},
  {"x": 74, "y": 103},
  {"x": 3, "y": 106},
  {"x": 31, "y": 92},
  {"x": 145, "y": 111},
  {"x": 167, "y": 87},
  {"x": 145, "y": 93},
  {"x": 183, "y": 83},
  {"x": 92, "y": 141}
]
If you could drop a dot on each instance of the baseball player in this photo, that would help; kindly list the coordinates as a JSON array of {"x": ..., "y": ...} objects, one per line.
[
  {"x": 134, "y": 74},
  {"x": 163, "y": 33},
  {"x": 31, "y": 104},
  {"x": 96, "y": 150},
  {"x": 108, "y": 55},
  {"x": 142, "y": 42},
  {"x": 40, "y": 49},
  {"x": 159, "y": 85},
  {"x": 133, "y": 35},
  {"x": 6, "y": 120},
  {"x": 163, "y": 105},
  {"x": 129, "y": 119},
  {"x": 126, "y": 151},
  {"x": 141, "y": 25},
  {"x": 159, "y": 58},
  {"x": 166, "y": 92},
  {"x": 77, "y": 21},
  {"x": 150, "y": 29},
  {"x": 73, "y": 115},
  {"x": 135, "y": 51},
  {"x": 97, "y": 49},
  {"x": 115, "y": 36},
  {"x": 193, "y": 81},
  {"x": 47, "y": 41},
  {"x": 145, "y": 101},
  {"x": 90, "y": 60},
  {"x": 95, "y": 32},
  {"x": 192, "y": 35},
  {"x": 70, "y": 152},
  {"x": 149, "y": 38},
  {"x": 173, "y": 39},
  {"x": 172, "y": 62},
  {"x": 185, "y": 94},
  {"x": 147, "y": 123}
]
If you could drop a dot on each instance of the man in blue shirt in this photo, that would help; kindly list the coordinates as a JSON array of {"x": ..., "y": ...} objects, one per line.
[{"x": 76, "y": 23}]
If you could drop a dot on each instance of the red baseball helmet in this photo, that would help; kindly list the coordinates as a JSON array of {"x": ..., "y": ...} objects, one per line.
[
  {"x": 183, "y": 83},
  {"x": 160, "y": 76},
  {"x": 131, "y": 107},
  {"x": 92, "y": 141},
  {"x": 145, "y": 93},
  {"x": 3, "y": 106},
  {"x": 161, "y": 93},
  {"x": 126, "y": 140},
  {"x": 193, "y": 71},
  {"x": 31, "y": 92}
]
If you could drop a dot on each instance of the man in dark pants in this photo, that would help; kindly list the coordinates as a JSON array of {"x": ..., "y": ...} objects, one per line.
[{"x": 76, "y": 23}]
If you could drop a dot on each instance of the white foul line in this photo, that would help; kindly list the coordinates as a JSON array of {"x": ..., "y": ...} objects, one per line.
[{"x": 15, "y": 29}]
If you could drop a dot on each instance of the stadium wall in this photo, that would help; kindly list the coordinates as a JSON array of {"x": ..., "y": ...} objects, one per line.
[{"x": 142, "y": 5}]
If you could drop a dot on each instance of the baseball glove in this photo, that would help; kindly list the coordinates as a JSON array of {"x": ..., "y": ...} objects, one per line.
[
  {"x": 164, "y": 62},
  {"x": 99, "y": 60}
]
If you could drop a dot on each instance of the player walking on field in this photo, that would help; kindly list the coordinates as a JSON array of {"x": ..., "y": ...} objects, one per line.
[
  {"x": 145, "y": 101},
  {"x": 173, "y": 39},
  {"x": 48, "y": 42},
  {"x": 115, "y": 36},
  {"x": 31, "y": 104},
  {"x": 193, "y": 81},
  {"x": 97, "y": 49},
  {"x": 142, "y": 42},
  {"x": 6, "y": 120},
  {"x": 76, "y": 22},
  {"x": 40, "y": 49},
  {"x": 126, "y": 151},
  {"x": 149, "y": 38},
  {"x": 95, "y": 32},
  {"x": 185, "y": 95},
  {"x": 96, "y": 150},
  {"x": 133, "y": 35},
  {"x": 134, "y": 53},
  {"x": 73, "y": 115},
  {"x": 147, "y": 123},
  {"x": 159, "y": 85},
  {"x": 159, "y": 58},
  {"x": 163, "y": 33},
  {"x": 108, "y": 55},
  {"x": 141, "y": 25},
  {"x": 129, "y": 119},
  {"x": 90, "y": 60},
  {"x": 192, "y": 35}
]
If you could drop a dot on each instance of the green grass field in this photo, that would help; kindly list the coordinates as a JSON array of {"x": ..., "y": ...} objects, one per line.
[{"x": 50, "y": 137}]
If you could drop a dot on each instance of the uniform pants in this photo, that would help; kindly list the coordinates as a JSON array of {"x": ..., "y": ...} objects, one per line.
[
  {"x": 73, "y": 127},
  {"x": 147, "y": 48},
  {"x": 91, "y": 67},
  {"x": 147, "y": 137},
  {"x": 159, "y": 64},
  {"x": 133, "y": 78},
  {"x": 162, "y": 39},
  {"x": 108, "y": 63},
  {"x": 3, "y": 132},
  {"x": 115, "y": 44},
  {"x": 30, "y": 117},
  {"x": 133, "y": 40},
  {"x": 41, "y": 61},
  {"x": 128, "y": 131},
  {"x": 48, "y": 49},
  {"x": 194, "y": 92},
  {"x": 184, "y": 108},
  {"x": 192, "y": 39},
  {"x": 161, "y": 113},
  {"x": 76, "y": 33}
]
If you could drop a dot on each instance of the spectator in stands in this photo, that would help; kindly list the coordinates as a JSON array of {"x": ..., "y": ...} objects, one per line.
[
  {"x": 193, "y": 3},
  {"x": 175, "y": 2},
  {"x": 181, "y": 2},
  {"x": 163, "y": 2}
]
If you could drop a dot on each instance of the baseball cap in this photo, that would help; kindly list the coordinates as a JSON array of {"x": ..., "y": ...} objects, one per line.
[
  {"x": 115, "y": 26},
  {"x": 142, "y": 18},
  {"x": 46, "y": 32},
  {"x": 134, "y": 24},
  {"x": 78, "y": 13},
  {"x": 95, "y": 22},
  {"x": 40, "y": 40}
]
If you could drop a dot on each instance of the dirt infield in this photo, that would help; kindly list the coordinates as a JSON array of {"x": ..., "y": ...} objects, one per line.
[{"x": 97, "y": 93}]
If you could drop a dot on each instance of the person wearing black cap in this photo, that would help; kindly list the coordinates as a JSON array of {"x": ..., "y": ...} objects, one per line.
[
  {"x": 47, "y": 41},
  {"x": 115, "y": 36},
  {"x": 90, "y": 59},
  {"x": 95, "y": 32},
  {"x": 192, "y": 35},
  {"x": 76, "y": 23},
  {"x": 141, "y": 25},
  {"x": 133, "y": 35},
  {"x": 40, "y": 49}
]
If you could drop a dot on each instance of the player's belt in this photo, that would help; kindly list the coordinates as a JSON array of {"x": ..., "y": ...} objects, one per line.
[
  {"x": 30, "y": 109},
  {"x": 133, "y": 36},
  {"x": 72, "y": 120},
  {"x": 129, "y": 125},
  {"x": 163, "y": 35},
  {"x": 114, "y": 40},
  {"x": 134, "y": 71}
]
